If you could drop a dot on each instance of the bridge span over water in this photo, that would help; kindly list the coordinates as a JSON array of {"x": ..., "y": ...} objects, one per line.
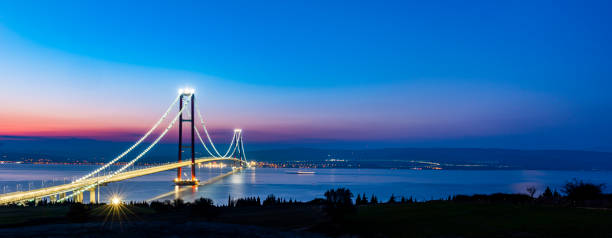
[{"x": 105, "y": 174}]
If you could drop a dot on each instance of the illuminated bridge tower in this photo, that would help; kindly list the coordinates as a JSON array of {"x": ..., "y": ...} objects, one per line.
[{"x": 185, "y": 95}]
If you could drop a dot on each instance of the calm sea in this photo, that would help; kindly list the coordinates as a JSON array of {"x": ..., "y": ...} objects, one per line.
[{"x": 420, "y": 184}]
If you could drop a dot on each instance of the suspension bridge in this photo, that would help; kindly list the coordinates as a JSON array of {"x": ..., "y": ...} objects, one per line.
[{"x": 107, "y": 173}]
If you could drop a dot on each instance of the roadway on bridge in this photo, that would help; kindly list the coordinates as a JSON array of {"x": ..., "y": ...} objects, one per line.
[{"x": 15, "y": 197}]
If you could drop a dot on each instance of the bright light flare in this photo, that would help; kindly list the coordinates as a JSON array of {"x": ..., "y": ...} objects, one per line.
[
  {"x": 115, "y": 201},
  {"x": 186, "y": 91}
]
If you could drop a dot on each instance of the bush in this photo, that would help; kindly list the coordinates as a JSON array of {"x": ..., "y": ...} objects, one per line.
[{"x": 581, "y": 191}]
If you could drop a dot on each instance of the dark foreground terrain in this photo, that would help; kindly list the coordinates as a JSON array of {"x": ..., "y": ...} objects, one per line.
[
  {"x": 584, "y": 211},
  {"x": 429, "y": 219}
]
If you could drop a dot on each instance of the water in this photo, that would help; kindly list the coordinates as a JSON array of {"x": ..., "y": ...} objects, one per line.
[{"x": 422, "y": 185}]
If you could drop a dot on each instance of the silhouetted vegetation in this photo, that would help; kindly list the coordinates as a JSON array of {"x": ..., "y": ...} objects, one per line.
[
  {"x": 494, "y": 198},
  {"x": 338, "y": 214},
  {"x": 338, "y": 202},
  {"x": 374, "y": 199},
  {"x": 204, "y": 207},
  {"x": 581, "y": 191},
  {"x": 248, "y": 202},
  {"x": 78, "y": 212},
  {"x": 531, "y": 190},
  {"x": 391, "y": 199}
]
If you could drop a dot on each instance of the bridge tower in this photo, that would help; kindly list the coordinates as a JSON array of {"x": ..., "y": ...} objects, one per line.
[{"x": 185, "y": 94}]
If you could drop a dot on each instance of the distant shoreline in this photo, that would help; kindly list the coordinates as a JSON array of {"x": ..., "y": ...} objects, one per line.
[{"x": 480, "y": 168}]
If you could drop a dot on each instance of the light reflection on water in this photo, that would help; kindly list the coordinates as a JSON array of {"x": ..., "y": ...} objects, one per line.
[{"x": 423, "y": 185}]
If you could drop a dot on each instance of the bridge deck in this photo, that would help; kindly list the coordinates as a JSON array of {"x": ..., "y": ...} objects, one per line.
[{"x": 48, "y": 191}]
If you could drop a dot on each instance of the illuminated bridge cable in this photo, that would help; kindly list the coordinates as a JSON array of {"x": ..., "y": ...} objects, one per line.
[
  {"x": 206, "y": 147},
  {"x": 202, "y": 141},
  {"x": 134, "y": 145},
  {"x": 210, "y": 140},
  {"x": 132, "y": 161},
  {"x": 231, "y": 144},
  {"x": 204, "y": 144},
  {"x": 242, "y": 148},
  {"x": 208, "y": 135},
  {"x": 238, "y": 136}
]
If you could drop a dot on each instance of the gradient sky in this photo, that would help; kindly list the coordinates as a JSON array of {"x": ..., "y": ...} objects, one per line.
[{"x": 509, "y": 74}]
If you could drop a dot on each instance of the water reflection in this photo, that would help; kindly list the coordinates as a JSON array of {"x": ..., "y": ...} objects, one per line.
[{"x": 177, "y": 192}]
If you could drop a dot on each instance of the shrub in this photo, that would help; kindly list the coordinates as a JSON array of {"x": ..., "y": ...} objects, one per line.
[{"x": 581, "y": 191}]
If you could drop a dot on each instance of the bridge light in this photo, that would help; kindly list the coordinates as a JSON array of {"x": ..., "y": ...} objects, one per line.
[
  {"x": 237, "y": 130},
  {"x": 186, "y": 91}
]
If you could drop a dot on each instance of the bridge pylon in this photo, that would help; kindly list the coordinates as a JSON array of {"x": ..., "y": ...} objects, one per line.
[{"x": 186, "y": 94}]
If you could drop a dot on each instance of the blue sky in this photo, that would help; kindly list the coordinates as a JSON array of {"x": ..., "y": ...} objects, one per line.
[{"x": 515, "y": 74}]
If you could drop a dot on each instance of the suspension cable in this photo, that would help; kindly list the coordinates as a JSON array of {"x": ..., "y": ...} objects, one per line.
[
  {"x": 133, "y": 160},
  {"x": 204, "y": 144},
  {"x": 231, "y": 144},
  {"x": 200, "y": 137},
  {"x": 238, "y": 136},
  {"x": 133, "y": 146},
  {"x": 242, "y": 146},
  {"x": 206, "y": 147},
  {"x": 207, "y": 135}
]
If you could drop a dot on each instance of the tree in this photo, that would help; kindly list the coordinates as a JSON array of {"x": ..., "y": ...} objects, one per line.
[
  {"x": 178, "y": 203},
  {"x": 246, "y": 202},
  {"x": 391, "y": 199},
  {"x": 270, "y": 200},
  {"x": 358, "y": 200},
  {"x": 339, "y": 196},
  {"x": 547, "y": 195},
  {"x": 581, "y": 191},
  {"x": 364, "y": 199},
  {"x": 338, "y": 202},
  {"x": 203, "y": 202},
  {"x": 373, "y": 200},
  {"x": 204, "y": 207},
  {"x": 531, "y": 190}
]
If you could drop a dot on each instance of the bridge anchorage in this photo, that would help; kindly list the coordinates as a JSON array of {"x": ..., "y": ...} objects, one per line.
[{"x": 106, "y": 174}]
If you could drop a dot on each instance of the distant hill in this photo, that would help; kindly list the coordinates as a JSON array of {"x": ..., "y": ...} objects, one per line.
[
  {"x": 489, "y": 158},
  {"x": 73, "y": 149}
]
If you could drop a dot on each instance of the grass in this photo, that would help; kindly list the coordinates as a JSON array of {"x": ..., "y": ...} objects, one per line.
[
  {"x": 286, "y": 218},
  {"x": 10, "y": 216},
  {"x": 436, "y": 219},
  {"x": 430, "y": 219}
]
